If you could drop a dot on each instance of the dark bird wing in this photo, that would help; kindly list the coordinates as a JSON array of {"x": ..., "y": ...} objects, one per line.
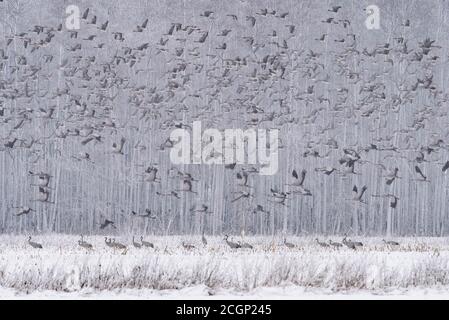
[
  {"x": 364, "y": 188},
  {"x": 85, "y": 14},
  {"x": 104, "y": 25},
  {"x": 394, "y": 203},
  {"x": 446, "y": 166},
  {"x": 295, "y": 174},
  {"x": 203, "y": 37},
  {"x": 303, "y": 176},
  {"x": 418, "y": 171}
]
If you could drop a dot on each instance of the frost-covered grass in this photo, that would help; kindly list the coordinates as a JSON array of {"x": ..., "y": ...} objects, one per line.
[{"x": 64, "y": 266}]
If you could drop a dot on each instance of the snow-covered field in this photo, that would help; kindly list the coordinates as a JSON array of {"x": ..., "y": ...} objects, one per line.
[{"x": 418, "y": 268}]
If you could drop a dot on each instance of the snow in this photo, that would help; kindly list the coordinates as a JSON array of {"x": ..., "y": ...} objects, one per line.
[
  {"x": 203, "y": 293},
  {"x": 419, "y": 269}
]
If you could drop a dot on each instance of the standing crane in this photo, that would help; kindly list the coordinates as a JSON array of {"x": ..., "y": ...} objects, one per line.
[
  {"x": 108, "y": 242},
  {"x": 349, "y": 243},
  {"x": 231, "y": 244},
  {"x": 136, "y": 244},
  {"x": 390, "y": 243},
  {"x": 85, "y": 244},
  {"x": 188, "y": 246},
  {"x": 146, "y": 243},
  {"x": 322, "y": 244},
  {"x": 34, "y": 244},
  {"x": 335, "y": 244},
  {"x": 288, "y": 244},
  {"x": 118, "y": 245}
]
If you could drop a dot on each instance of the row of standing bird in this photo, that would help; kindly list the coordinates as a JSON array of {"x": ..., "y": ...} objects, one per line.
[
  {"x": 112, "y": 243},
  {"x": 350, "y": 244}
]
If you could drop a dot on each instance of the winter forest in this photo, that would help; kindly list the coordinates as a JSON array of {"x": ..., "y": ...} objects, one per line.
[{"x": 86, "y": 116}]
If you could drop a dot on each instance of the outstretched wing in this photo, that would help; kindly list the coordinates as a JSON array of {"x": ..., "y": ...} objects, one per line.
[{"x": 295, "y": 174}]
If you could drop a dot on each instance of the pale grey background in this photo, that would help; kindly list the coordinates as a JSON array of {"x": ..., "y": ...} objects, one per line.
[{"x": 85, "y": 193}]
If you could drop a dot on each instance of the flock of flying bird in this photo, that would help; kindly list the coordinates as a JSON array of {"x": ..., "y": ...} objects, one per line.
[{"x": 253, "y": 77}]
